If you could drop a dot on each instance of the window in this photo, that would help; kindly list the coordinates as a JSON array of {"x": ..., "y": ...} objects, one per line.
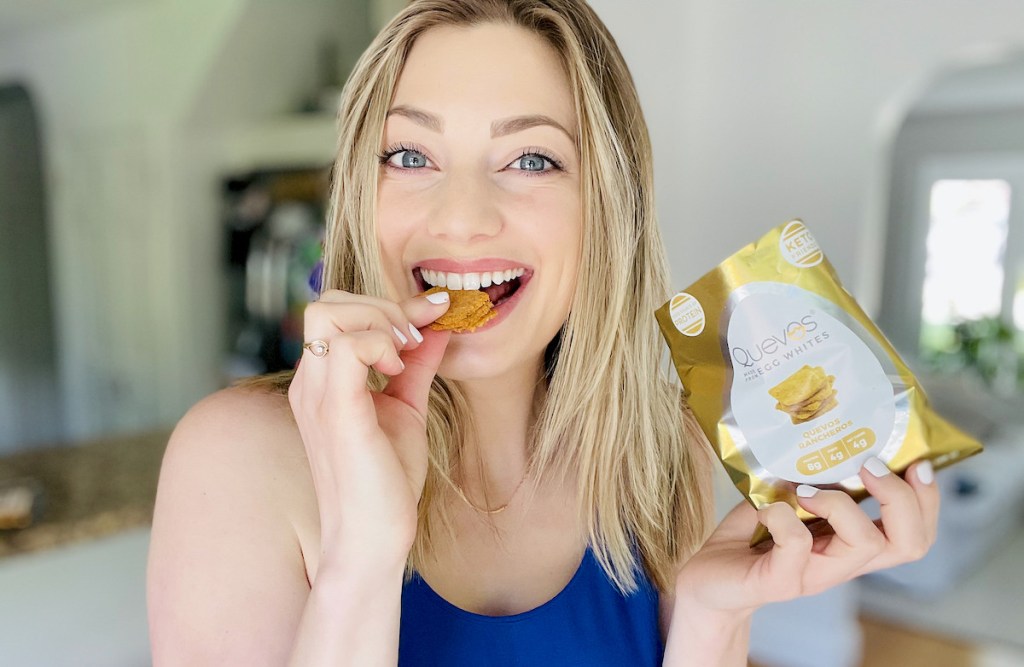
[
  {"x": 964, "y": 271},
  {"x": 956, "y": 268},
  {"x": 953, "y": 295}
]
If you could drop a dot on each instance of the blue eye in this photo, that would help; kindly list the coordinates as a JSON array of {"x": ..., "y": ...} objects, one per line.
[
  {"x": 532, "y": 162},
  {"x": 411, "y": 159}
]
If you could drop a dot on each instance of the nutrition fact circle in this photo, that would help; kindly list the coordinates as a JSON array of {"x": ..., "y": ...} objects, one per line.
[{"x": 687, "y": 314}]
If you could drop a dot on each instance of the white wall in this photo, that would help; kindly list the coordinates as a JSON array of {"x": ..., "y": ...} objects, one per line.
[
  {"x": 106, "y": 88},
  {"x": 765, "y": 110},
  {"x": 123, "y": 95},
  {"x": 759, "y": 111}
]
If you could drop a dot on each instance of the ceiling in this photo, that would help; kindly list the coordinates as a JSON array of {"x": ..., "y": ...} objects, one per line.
[{"x": 20, "y": 16}]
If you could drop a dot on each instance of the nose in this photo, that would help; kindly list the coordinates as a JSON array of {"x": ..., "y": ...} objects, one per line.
[{"x": 466, "y": 209}]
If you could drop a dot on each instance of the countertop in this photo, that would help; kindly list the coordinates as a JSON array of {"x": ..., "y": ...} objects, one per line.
[{"x": 91, "y": 489}]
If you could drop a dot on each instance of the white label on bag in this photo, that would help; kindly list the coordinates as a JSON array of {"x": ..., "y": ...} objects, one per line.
[{"x": 808, "y": 396}]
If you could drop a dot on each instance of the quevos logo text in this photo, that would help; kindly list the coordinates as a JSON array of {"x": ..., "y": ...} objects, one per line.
[{"x": 769, "y": 352}]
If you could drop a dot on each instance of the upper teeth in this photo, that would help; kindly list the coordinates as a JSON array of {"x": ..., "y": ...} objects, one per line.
[{"x": 469, "y": 280}]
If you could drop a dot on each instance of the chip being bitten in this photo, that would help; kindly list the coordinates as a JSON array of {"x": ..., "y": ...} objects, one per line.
[{"x": 469, "y": 309}]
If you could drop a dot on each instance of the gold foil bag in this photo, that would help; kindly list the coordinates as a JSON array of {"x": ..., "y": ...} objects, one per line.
[{"x": 791, "y": 382}]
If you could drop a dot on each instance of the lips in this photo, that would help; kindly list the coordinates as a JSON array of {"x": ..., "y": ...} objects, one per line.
[
  {"x": 470, "y": 266},
  {"x": 502, "y": 279},
  {"x": 497, "y": 289},
  {"x": 507, "y": 304}
]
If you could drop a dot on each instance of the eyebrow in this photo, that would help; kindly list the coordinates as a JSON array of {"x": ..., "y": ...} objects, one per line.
[{"x": 499, "y": 128}]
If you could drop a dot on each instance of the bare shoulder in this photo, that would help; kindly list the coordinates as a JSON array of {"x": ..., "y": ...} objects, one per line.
[
  {"x": 224, "y": 530},
  {"x": 246, "y": 434},
  {"x": 241, "y": 410}
]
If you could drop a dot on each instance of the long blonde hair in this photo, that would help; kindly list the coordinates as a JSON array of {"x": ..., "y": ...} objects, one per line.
[{"x": 613, "y": 422}]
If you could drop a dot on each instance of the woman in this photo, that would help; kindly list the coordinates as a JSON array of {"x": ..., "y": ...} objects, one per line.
[{"x": 538, "y": 480}]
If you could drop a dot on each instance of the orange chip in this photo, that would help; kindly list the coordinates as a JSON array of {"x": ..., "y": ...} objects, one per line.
[{"x": 469, "y": 309}]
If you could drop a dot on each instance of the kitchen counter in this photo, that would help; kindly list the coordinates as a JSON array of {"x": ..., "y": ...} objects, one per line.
[{"x": 90, "y": 490}]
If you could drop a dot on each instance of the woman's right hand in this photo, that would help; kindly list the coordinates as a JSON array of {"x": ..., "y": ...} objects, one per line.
[{"x": 367, "y": 450}]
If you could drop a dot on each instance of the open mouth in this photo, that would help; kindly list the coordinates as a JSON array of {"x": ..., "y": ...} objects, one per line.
[{"x": 510, "y": 282}]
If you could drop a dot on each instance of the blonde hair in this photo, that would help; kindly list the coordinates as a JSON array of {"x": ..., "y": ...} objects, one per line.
[{"x": 612, "y": 421}]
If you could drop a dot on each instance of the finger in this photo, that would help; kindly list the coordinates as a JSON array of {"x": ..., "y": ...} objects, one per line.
[
  {"x": 786, "y": 562},
  {"x": 902, "y": 520},
  {"x": 857, "y": 539},
  {"x": 347, "y": 313},
  {"x": 295, "y": 388},
  {"x": 421, "y": 310},
  {"x": 412, "y": 386},
  {"x": 408, "y": 316},
  {"x": 921, "y": 477},
  {"x": 349, "y": 359},
  {"x": 369, "y": 349}
]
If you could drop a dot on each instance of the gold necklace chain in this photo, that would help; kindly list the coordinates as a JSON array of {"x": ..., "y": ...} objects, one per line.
[{"x": 498, "y": 509}]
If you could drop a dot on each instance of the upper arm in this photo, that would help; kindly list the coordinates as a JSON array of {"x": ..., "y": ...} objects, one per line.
[{"x": 226, "y": 582}]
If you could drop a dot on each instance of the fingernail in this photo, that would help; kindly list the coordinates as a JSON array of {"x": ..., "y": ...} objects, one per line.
[
  {"x": 402, "y": 363},
  {"x": 416, "y": 334},
  {"x": 806, "y": 490},
  {"x": 438, "y": 297},
  {"x": 399, "y": 334},
  {"x": 876, "y": 467},
  {"x": 926, "y": 473}
]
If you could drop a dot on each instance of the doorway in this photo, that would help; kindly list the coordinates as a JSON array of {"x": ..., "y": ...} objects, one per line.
[{"x": 30, "y": 406}]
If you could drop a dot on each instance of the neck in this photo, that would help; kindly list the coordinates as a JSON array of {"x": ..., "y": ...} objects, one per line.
[{"x": 504, "y": 409}]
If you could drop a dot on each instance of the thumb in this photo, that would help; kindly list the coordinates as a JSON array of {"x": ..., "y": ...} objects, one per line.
[{"x": 412, "y": 385}]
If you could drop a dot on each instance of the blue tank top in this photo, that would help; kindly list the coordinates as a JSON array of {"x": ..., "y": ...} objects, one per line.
[{"x": 588, "y": 623}]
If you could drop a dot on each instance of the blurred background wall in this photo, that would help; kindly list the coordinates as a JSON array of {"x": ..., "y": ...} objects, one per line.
[
  {"x": 758, "y": 111},
  {"x": 139, "y": 104},
  {"x": 135, "y": 133}
]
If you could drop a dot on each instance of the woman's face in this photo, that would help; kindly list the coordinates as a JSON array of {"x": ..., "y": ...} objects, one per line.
[{"x": 481, "y": 175}]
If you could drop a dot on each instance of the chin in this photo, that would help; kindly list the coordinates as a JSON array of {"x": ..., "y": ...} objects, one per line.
[
  {"x": 462, "y": 365},
  {"x": 467, "y": 363}
]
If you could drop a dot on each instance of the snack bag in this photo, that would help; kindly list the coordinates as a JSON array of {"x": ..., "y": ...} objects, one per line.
[{"x": 791, "y": 381}]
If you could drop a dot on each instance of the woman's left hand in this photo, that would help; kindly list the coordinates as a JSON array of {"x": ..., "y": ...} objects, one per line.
[{"x": 726, "y": 575}]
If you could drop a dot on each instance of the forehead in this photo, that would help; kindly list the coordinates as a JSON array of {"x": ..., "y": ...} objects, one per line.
[{"x": 471, "y": 75}]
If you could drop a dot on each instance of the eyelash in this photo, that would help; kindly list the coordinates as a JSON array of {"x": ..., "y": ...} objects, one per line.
[{"x": 393, "y": 150}]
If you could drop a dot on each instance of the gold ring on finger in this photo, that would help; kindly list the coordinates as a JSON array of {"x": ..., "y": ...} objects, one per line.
[{"x": 317, "y": 347}]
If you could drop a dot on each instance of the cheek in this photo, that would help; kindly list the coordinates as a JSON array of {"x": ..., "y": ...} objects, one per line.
[
  {"x": 393, "y": 217},
  {"x": 554, "y": 214},
  {"x": 395, "y": 223},
  {"x": 559, "y": 224}
]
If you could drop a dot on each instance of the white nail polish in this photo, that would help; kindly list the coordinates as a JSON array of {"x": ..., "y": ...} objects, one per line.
[
  {"x": 416, "y": 334},
  {"x": 806, "y": 491},
  {"x": 926, "y": 473},
  {"x": 399, "y": 334},
  {"x": 876, "y": 467},
  {"x": 438, "y": 297}
]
